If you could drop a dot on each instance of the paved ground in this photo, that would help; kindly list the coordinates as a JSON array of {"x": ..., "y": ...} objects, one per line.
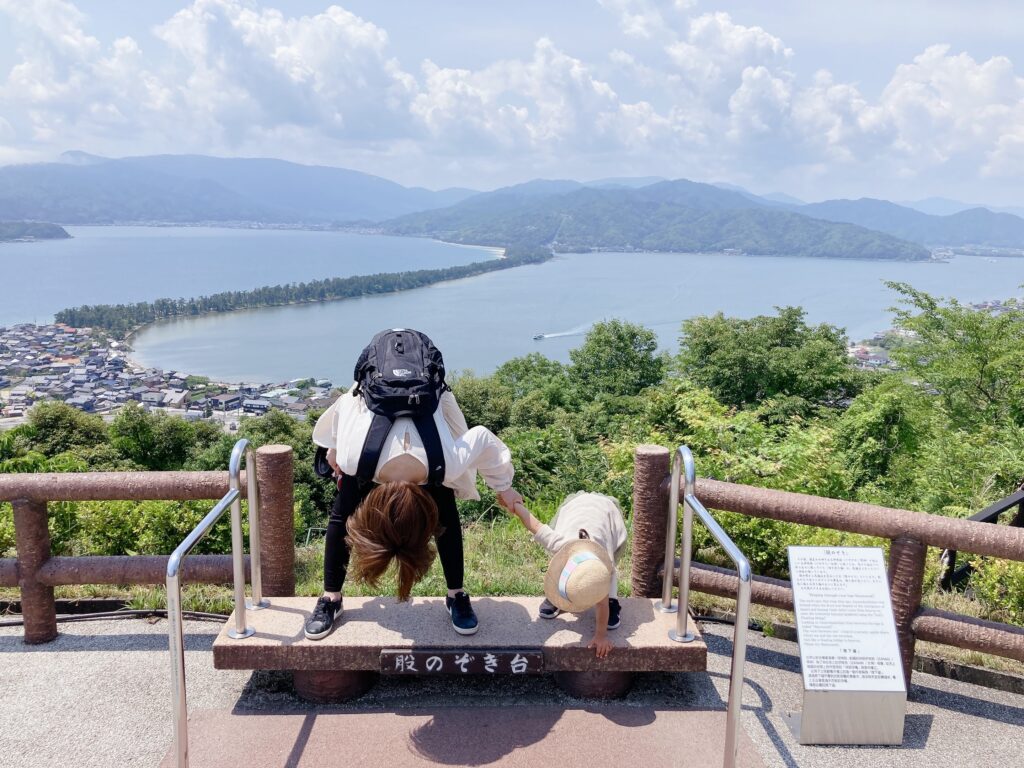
[{"x": 99, "y": 696}]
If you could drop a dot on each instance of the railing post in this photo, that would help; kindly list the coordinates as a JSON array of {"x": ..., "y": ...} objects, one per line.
[
  {"x": 650, "y": 498},
  {"x": 274, "y": 473},
  {"x": 906, "y": 580},
  {"x": 32, "y": 539}
]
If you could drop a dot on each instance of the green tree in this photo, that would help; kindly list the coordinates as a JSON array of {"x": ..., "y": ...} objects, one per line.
[
  {"x": 616, "y": 358},
  {"x": 776, "y": 358},
  {"x": 972, "y": 359},
  {"x": 880, "y": 437},
  {"x": 56, "y": 427},
  {"x": 131, "y": 433},
  {"x": 483, "y": 400}
]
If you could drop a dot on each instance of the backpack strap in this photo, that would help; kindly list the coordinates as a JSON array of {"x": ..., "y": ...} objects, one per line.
[
  {"x": 427, "y": 428},
  {"x": 372, "y": 446}
]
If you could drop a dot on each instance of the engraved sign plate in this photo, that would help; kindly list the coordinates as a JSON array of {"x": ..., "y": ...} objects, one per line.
[
  {"x": 854, "y": 690},
  {"x": 478, "y": 661}
]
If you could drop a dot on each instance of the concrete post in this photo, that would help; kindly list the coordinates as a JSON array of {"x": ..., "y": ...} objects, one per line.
[
  {"x": 274, "y": 478},
  {"x": 906, "y": 580},
  {"x": 650, "y": 502},
  {"x": 32, "y": 538}
]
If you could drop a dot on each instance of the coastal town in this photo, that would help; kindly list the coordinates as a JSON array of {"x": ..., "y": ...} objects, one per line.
[{"x": 89, "y": 372}]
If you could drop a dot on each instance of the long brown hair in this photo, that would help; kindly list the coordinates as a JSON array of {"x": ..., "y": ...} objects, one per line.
[{"x": 396, "y": 521}]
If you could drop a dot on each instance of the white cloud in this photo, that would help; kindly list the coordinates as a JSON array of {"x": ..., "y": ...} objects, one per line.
[{"x": 680, "y": 92}]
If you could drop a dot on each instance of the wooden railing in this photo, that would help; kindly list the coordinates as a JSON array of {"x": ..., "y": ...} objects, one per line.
[
  {"x": 910, "y": 534},
  {"x": 36, "y": 572}
]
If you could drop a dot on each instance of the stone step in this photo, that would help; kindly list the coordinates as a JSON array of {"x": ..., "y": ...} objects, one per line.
[{"x": 372, "y": 624}]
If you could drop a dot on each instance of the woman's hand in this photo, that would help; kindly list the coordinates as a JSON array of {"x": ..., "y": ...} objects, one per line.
[{"x": 509, "y": 498}]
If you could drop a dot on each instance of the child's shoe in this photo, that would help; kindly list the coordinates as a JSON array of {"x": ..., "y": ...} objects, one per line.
[
  {"x": 613, "y": 613},
  {"x": 548, "y": 610}
]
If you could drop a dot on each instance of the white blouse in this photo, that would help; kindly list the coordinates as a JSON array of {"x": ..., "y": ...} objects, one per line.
[{"x": 466, "y": 451}]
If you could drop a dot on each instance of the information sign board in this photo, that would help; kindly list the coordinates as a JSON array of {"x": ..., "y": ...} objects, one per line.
[{"x": 854, "y": 691}]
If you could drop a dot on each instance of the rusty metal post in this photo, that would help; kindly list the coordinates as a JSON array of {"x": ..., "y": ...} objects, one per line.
[
  {"x": 906, "y": 580},
  {"x": 650, "y": 500},
  {"x": 32, "y": 538},
  {"x": 274, "y": 476}
]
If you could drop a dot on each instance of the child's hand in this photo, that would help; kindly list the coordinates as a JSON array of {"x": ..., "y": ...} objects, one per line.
[
  {"x": 602, "y": 646},
  {"x": 509, "y": 498}
]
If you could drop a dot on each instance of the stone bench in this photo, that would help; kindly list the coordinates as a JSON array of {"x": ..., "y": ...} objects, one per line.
[{"x": 347, "y": 662}]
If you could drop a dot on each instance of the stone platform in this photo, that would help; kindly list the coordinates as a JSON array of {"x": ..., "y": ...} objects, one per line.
[{"x": 370, "y": 625}]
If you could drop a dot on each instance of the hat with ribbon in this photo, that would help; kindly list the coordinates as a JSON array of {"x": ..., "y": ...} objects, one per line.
[{"x": 579, "y": 576}]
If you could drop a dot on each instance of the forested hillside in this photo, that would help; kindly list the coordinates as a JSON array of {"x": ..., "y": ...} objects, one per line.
[
  {"x": 31, "y": 230},
  {"x": 671, "y": 216}
]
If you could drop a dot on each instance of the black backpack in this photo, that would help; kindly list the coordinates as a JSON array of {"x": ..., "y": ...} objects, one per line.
[{"x": 401, "y": 373}]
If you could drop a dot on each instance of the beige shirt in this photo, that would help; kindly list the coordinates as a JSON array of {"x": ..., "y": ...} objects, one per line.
[
  {"x": 466, "y": 451},
  {"x": 599, "y": 515}
]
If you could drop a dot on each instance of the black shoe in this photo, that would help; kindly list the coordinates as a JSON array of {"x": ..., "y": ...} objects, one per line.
[
  {"x": 613, "y": 613},
  {"x": 463, "y": 619},
  {"x": 548, "y": 610},
  {"x": 321, "y": 621}
]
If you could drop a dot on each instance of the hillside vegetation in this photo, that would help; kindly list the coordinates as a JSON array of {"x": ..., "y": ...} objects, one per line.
[
  {"x": 768, "y": 401},
  {"x": 977, "y": 226},
  {"x": 31, "y": 230},
  {"x": 677, "y": 216}
]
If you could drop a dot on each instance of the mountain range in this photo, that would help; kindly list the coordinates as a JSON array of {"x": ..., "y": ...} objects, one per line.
[{"x": 648, "y": 213}]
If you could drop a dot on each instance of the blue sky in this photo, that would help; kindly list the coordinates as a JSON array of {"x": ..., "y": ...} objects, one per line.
[{"x": 900, "y": 100}]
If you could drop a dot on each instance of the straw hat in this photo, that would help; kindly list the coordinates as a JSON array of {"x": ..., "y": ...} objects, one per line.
[{"x": 579, "y": 576}]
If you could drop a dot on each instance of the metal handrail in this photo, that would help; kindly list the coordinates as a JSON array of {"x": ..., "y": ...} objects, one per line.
[
  {"x": 683, "y": 458},
  {"x": 176, "y": 639},
  {"x": 949, "y": 574},
  {"x": 243, "y": 449}
]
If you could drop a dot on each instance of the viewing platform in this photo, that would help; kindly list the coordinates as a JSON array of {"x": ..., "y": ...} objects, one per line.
[{"x": 370, "y": 628}]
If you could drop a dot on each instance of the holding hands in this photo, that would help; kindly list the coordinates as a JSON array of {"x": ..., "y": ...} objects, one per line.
[{"x": 509, "y": 498}]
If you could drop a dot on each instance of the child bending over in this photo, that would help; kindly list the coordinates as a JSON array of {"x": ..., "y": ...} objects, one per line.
[{"x": 586, "y": 538}]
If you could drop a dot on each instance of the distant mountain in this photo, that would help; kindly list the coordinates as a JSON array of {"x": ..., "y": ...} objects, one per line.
[
  {"x": 115, "y": 192},
  {"x": 943, "y": 206},
  {"x": 631, "y": 182},
  {"x": 781, "y": 197},
  {"x": 773, "y": 200},
  {"x": 30, "y": 230},
  {"x": 977, "y": 226},
  {"x": 306, "y": 192},
  {"x": 679, "y": 215},
  {"x": 86, "y": 189}
]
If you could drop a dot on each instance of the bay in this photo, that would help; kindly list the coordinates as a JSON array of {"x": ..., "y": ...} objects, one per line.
[
  {"x": 483, "y": 321},
  {"x": 116, "y": 265}
]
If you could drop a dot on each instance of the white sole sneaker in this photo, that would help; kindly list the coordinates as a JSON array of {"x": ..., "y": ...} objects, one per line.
[{"x": 319, "y": 635}]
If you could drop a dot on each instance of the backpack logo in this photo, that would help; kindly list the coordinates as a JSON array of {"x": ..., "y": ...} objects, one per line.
[{"x": 401, "y": 372}]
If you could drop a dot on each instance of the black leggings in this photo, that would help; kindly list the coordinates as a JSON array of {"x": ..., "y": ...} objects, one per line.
[{"x": 351, "y": 494}]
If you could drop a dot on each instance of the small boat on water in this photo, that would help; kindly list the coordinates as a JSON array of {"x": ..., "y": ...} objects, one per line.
[{"x": 538, "y": 336}]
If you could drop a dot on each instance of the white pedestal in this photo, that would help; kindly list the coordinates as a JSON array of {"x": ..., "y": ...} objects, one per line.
[{"x": 854, "y": 691}]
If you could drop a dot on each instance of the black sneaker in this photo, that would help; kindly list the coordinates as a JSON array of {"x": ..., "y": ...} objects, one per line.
[
  {"x": 463, "y": 619},
  {"x": 548, "y": 610},
  {"x": 613, "y": 613},
  {"x": 321, "y": 621}
]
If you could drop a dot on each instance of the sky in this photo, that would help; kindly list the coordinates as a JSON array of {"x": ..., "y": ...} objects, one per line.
[{"x": 900, "y": 100}]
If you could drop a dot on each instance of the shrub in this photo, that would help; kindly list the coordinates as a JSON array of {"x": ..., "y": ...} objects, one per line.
[{"x": 999, "y": 585}]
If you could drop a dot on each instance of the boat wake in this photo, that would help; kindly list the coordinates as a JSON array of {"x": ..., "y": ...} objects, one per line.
[{"x": 579, "y": 330}]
